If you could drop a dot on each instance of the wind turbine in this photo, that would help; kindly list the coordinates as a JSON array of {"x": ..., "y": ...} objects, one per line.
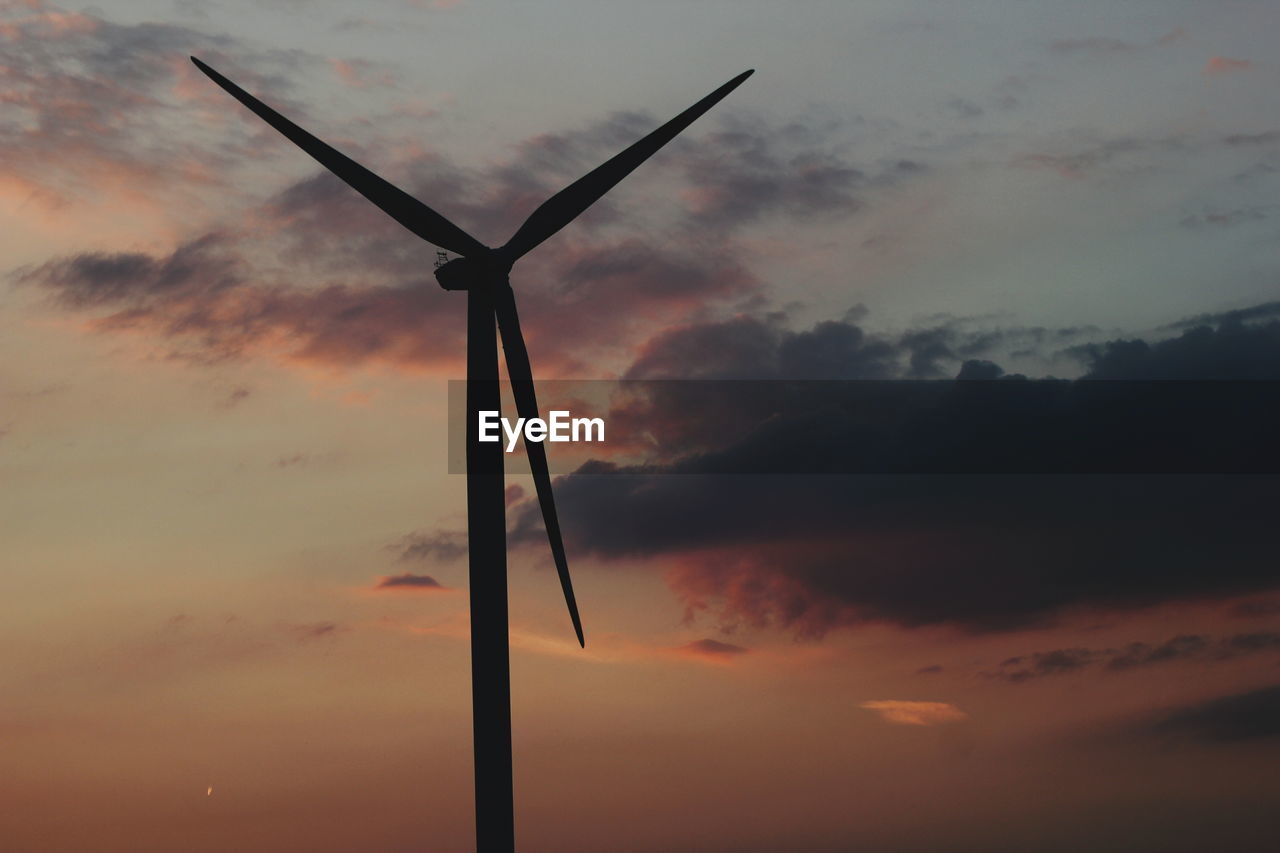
[{"x": 484, "y": 273}]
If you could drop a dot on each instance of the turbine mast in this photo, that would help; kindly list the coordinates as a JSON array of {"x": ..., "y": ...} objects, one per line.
[{"x": 487, "y": 558}]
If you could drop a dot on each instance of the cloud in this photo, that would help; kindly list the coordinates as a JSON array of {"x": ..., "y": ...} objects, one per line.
[
  {"x": 1241, "y": 717},
  {"x": 1269, "y": 137},
  {"x": 292, "y": 460},
  {"x": 1094, "y": 45},
  {"x": 1134, "y": 655},
  {"x": 910, "y": 713},
  {"x": 1231, "y": 319},
  {"x": 1256, "y": 609},
  {"x": 1097, "y": 47},
  {"x": 1260, "y": 641},
  {"x": 235, "y": 397},
  {"x": 595, "y": 289},
  {"x": 197, "y": 269},
  {"x": 202, "y": 300},
  {"x": 756, "y": 169},
  {"x": 90, "y": 103},
  {"x": 1056, "y": 662},
  {"x": 763, "y": 347},
  {"x": 760, "y": 348},
  {"x": 1141, "y": 654},
  {"x": 1226, "y": 218},
  {"x": 1233, "y": 349},
  {"x": 361, "y": 74},
  {"x": 440, "y": 545},
  {"x": 187, "y": 647},
  {"x": 408, "y": 581},
  {"x": 316, "y": 630},
  {"x": 1091, "y": 158},
  {"x": 1224, "y": 65},
  {"x": 314, "y": 274},
  {"x": 963, "y": 108},
  {"x": 354, "y": 289},
  {"x": 984, "y": 552},
  {"x": 712, "y": 651}
]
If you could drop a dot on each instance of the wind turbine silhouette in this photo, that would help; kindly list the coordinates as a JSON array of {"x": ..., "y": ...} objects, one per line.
[{"x": 484, "y": 274}]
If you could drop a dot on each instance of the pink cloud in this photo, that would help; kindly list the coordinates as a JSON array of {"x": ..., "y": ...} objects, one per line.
[
  {"x": 1223, "y": 65},
  {"x": 359, "y": 74},
  {"x": 902, "y": 712}
]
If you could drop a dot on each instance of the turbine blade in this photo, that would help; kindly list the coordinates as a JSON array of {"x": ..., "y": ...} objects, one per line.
[
  {"x": 563, "y": 207},
  {"x": 521, "y": 375},
  {"x": 396, "y": 203}
]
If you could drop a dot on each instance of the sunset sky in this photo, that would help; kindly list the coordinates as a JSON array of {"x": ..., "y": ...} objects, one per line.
[{"x": 233, "y": 605}]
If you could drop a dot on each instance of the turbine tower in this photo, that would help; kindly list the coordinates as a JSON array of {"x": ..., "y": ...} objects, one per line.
[{"x": 484, "y": 273}]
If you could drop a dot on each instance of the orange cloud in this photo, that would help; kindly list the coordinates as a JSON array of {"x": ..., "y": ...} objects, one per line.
[
  {"x": 908, "y": 713},
  {"x": 711, "y": 651},
  {"x": 1223, "y": 65}
]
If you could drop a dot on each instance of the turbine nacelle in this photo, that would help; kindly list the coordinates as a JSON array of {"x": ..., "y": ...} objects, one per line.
[{"x": 472, "y": 273}]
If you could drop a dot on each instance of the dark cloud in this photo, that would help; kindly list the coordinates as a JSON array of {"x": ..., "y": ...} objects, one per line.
[
  {"x": 1142, "y": 654},
  {"x": 747, "y": 347},
  {"x": 1097, "y": 47},
  {"x": 1135, "y": 655},
  {"x": 978, "y": 425},
  {"x": 980, "y": 370},
  {"x": 1056, "y": 662},
  {"x": 198, "y": 270},
  {"x": 763, "y": 347},
  {"x": 988, "y": 553},
  {"x": 292, "y": 460},
  {"x": 755, "y": 169},
  {"x": 202, "y": 300},
  {"x": 1256, "y": 609},
  {"x": 985, "y": 552},
  {"x": 235, "y": 396},
  {"x": 316, "y": 630},
  {"x": 1094, "y": 46},
  {"x": 1241, "y": 717},
  {"x": 1231, "y": 350},
  {"x": 441, "y": 545},
  {"x": 1093, "y": 157},
  {"x": 1226, "y": 218},
  {"x": 1263, "y": 311},
  {"x": 408, "y": 581},
  {"x": 1243, "y": 644},
  {"x": 1269, "y": 137},
  {"x": 711, "y": 649},
  {"x": 963, "y": 108}
]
